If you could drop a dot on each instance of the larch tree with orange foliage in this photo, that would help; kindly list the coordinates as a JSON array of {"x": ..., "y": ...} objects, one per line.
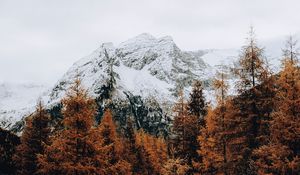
[
  {"x": 154, "y": 152},
  {"x": 251, "y": 67},
  {"x": 180, "y": 127},
  {"x": 254, "y": 99},
  {"x": 72, "y": 150},
  {"x": 213, "y": 136},
  {"x": 282, "y": 155},
  {"x": 132, "y": 151},
  {"x": 175, "y": 167},
  {"x": 147, "y": 166},
  {"x": 209, "y": 150},
  {"x": 33, "y": 141},
  {"x": 111, "y": 148},
  {"x": 145, "y": 153}
]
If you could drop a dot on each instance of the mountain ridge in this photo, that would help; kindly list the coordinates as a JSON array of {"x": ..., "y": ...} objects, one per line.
[{"x": 143, "y": 66}]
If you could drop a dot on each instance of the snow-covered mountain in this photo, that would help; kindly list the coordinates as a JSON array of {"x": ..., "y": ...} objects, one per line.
[
  {"x": 17, "y": 100},
  {"x": 143, "y": 65},
  {"x": 145, "y": 69}
]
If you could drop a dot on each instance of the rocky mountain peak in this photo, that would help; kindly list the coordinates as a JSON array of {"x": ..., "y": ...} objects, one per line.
[
  {"x": 144, "y": 67},
  {"x": 143, "y": 49}
]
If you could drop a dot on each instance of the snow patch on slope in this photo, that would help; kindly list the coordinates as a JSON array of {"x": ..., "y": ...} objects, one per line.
[
  {"x": 17, "y": 100},
  {"x": 142, "y": 82}
]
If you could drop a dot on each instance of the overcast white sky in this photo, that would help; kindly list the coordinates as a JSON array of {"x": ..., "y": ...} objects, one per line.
[{"x": 40, "y": 39}]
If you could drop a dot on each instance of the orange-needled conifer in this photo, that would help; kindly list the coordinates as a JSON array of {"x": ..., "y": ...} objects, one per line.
[
  {"x": 33, "y": 140},
  {"x": 72, "y": 150}
]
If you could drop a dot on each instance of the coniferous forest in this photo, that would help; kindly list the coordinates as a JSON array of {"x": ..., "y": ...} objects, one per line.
[{"x": 255, "y": 131}]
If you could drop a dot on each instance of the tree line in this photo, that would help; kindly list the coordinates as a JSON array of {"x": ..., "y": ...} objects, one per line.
[{"x": 254, "y": 132}]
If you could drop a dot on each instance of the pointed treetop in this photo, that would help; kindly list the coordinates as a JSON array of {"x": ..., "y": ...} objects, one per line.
[
  {"x": 77, "y": 90},
  {"x": 291, "y": 50},
  {"x": 221, "y": 86},
  {"x": 251, "y": 35}
]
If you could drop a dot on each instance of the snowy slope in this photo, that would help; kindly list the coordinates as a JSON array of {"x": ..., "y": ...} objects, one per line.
[
  {"x": 17, "y": 100},
  {"x": 143, "y": 66}
]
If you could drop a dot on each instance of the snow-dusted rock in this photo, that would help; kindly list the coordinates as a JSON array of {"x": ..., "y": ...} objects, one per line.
[{"x": 143, "y": 66}]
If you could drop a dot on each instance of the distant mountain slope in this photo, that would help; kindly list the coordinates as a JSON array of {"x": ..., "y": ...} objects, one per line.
[
  {"x": 148, "y": 74},
  {"x": 17, "y": 100},
  {"x": 143, "y": 65}
]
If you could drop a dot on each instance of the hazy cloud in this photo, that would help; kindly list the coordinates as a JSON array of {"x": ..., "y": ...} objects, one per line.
[{"x": 40, "y": 39}]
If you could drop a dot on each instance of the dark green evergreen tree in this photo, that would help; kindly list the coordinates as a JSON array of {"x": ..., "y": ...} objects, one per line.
[
  {"x": 186, "y": 127},
  {"x": 197, "y": 105}
]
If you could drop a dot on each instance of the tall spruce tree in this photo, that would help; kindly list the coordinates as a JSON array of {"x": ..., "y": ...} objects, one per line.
[
  {"x": 33, "y": 140},
  {"x": 197, "y": 105}
]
